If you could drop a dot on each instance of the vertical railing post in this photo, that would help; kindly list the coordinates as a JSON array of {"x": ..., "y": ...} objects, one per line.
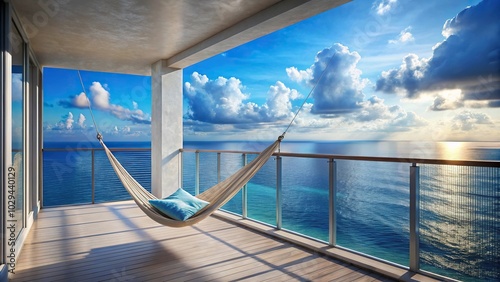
[
  {"x": 244, "y": 194},
  {"x": 218, "y": 167},
  {"x": 93, "y": 176},
  {"x": 332, "y": 179},
  {"x": 414, "y": 217},
  {"x": 278, "y": 193},
  {"x": 197, "y": 174}
]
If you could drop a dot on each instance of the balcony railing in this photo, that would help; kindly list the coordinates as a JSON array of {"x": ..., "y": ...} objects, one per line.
[
  {"x": 84, "y": 175},
  {"x": 440, "y": 217}
]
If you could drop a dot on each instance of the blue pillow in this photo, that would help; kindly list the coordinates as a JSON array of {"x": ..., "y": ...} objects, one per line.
[{"x": 180, "y": 205}]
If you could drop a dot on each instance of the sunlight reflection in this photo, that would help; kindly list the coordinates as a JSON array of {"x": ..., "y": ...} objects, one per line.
[
  {"x": 452, "y": 150},
  {"x": 458, "y": 225}
]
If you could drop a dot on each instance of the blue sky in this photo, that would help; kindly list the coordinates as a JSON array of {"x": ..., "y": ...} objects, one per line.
[
  {"x": 389, "y": 69},
  {"x": 121, "y": 105}
]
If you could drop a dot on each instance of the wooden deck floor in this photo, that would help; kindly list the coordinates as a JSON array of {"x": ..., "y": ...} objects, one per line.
[{"x": 117, "y": 242}]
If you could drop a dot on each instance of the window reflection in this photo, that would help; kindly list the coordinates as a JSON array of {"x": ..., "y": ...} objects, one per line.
[{"x": 17, "y": 52}]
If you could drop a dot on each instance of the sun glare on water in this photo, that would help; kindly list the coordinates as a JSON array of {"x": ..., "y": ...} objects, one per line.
[{"x": 453, "y": 150}]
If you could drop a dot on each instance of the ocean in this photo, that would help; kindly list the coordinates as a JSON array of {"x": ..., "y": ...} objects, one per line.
[{"x": 459, "y": 206}]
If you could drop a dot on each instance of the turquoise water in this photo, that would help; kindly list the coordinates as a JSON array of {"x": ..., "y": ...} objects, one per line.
[{"x": 460, "y": 207}]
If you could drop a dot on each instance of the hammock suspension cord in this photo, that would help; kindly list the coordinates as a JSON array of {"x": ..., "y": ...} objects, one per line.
[
  {"x": 308, "y": 95},
  {"x": 99, "y": 136}
]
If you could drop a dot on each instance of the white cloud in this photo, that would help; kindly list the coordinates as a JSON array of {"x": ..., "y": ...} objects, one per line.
[
  {"x": 405, "y": 36},
  {"x": 467, "y": 120},
  {"x": 406, "y": 120},
  {"x": 376, "y": 115},
  {"x": 467, "y": 59},
  {"x": 216, "y": 101},
  {"x": 222, "y": 101},
  {"x": 383, "y": 7},
  {"x": 298, "y": 76},
  {"x": 447, "y": 100},
  {"x": 69, "y": 121},
  {"x": 100, "y": 96},
  {"x": 222, "y": 107},
  {"x": 135, "y": 116},
  {"x": 279, "y": 99},
  {"x": 81, "y": 101},
  {"x": 336, "y": 78},
  {"x": 407, "y": 79},
  {"x": 81, "y": 120},
  {"x": 125, "y": 131},
  {"x": 66, "y": 123},
  {"x": 101, "y": 101},
  {"x": 339, "y": 99},
  {"x": 373, "y": 109}
]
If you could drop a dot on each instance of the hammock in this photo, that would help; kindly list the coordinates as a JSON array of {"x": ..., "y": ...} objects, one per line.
[{"x": 217, "y": 195}]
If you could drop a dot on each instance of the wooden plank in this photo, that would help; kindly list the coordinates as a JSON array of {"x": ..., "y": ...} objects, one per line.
[{"x": 115, "y": 241}]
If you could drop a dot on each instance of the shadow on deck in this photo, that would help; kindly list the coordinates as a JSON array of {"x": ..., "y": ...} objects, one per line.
[{"x": 116, "y": 241}]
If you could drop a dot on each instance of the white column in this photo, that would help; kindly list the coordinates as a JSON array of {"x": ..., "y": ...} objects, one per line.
[{"x": 166, "y": 129}]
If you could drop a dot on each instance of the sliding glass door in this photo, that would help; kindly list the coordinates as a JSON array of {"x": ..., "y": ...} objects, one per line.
[{"x": 16, "y": 201}]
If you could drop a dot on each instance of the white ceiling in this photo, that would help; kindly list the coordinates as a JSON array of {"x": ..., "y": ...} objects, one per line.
[{"x": 127, "y": 36}]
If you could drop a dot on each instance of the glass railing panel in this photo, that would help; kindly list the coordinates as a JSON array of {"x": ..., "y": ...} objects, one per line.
[
  {"x": 305, "y": 193},
  {"x": 373, "y": 209},
  {"x": 208, "y": 170},
  {"x": 262, "y": 193},
  {"x": 188, "y": 172},
  {"x": 460, "y": 221},
  {"x": 108, "y": 186},
  {"x": 230, "y": 163},
  {"x": 67, "y": 177}
]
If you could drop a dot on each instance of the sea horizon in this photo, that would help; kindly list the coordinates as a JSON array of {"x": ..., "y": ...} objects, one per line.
[{"x": 448, "y": 150}]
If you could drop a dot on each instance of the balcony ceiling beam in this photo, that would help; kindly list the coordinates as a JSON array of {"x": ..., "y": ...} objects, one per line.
[
  {"x": 128, "y": 36},
  {"x": 278, "y": 16}
]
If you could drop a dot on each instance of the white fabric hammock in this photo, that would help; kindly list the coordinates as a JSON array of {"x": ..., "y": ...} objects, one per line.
[{"x": 217, "y": 195}]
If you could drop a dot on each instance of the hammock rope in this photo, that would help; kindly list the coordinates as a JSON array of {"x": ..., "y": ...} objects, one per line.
[
  {"x": 99, "y": 136},
  {"x": 308, "y": 95}
]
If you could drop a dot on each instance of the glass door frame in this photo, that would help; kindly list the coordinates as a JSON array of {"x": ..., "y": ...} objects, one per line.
[{"x": 31, "y": 131}]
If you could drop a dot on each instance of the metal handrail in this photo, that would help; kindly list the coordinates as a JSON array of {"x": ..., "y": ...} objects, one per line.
[
  {"x": 486, "y": 163},
  {"x": 482, "y": 163},
  {"x": 92, "y": 149}
]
